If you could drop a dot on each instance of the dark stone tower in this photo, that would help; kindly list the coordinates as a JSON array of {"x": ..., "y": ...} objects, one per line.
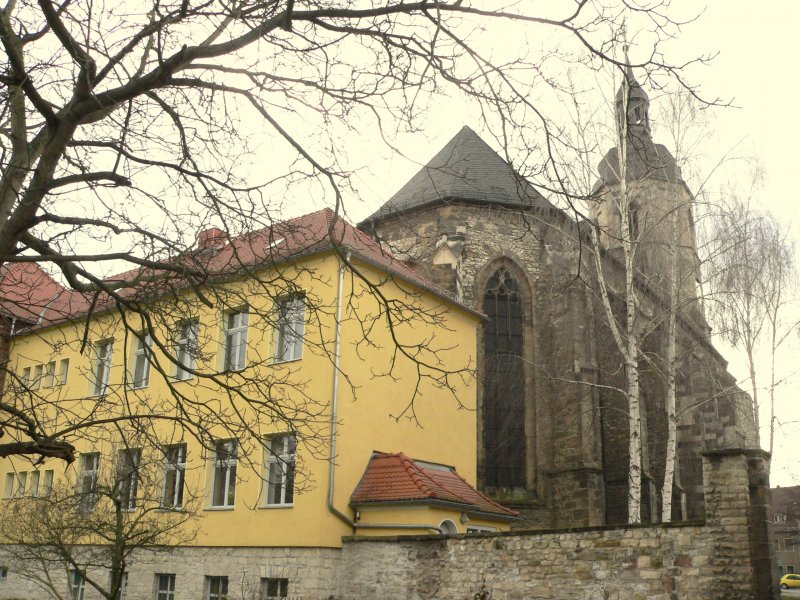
[{"x": 550, "y": 439}]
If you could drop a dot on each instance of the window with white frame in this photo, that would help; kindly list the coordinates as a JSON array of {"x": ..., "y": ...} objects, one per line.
[
  {"x": 33, "y": 483},
  {"x": 224, "y": 490},
  {"x": 63, "y": 371},
  {"x": 77, "y": 584},
  {"x": 216, "y": 588},
  {"x": 289, "y": 329},
  {"x": 46, "y": 484},
  {"x": 22, "y": 484},
  {"x": 8, "y": 488},
  {"x": 186, "y": 348},
  {"x": 103, "y": 352},
  {"x": 281, "y": 454},
  {"x": 141, "y": 361},
  {"x": 128, "y": 477},
  {"x": 87, "y": 484},
  {"x": 274, "y": 587},
  {"x": 37, "y": 377},
  {"x": 174, "y": 474},
  {"x": 235, "y": 340},
  {"x": 165, "y": 586},
  {"x": 26, "y": 377},
  {"x": 49, "y": 374}
]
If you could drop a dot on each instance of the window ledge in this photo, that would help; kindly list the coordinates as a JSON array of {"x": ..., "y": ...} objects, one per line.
[
  {"x": 278, "y": 506},
  {"x": 277, "y": 361},
  {"x": 216, "y": 508}
]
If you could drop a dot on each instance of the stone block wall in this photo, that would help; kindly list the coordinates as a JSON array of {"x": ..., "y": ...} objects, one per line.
[
  {"x": 313, "y": 573},
  {"x": 721, "y": 559}
]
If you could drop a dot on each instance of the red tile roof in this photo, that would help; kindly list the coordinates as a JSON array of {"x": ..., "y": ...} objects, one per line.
[
  {"x": 26, "y": 290},
  {"x": 399, "y": 478}
]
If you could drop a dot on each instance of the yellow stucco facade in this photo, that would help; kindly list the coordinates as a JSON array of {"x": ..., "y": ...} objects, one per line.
[{"x": 372, "y": 391}]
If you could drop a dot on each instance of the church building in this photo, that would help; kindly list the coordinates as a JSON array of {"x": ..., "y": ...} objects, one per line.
[{"x": 553, "y": 423}]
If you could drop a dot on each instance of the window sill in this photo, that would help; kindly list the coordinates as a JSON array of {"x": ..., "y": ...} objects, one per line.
[
  {"x": 219, "y": 508},
  {"x": 276, "y": 506},
  {"x": 287, "y": 360}
]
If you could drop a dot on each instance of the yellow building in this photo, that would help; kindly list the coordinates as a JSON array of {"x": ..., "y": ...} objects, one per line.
[{"x": 259, "y": 401}]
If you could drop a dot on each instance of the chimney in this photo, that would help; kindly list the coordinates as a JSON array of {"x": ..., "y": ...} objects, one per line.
[{"x": 211, "y": 238}]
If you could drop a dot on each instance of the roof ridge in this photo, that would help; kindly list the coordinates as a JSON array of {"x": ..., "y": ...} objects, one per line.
[{"x": 415, "y": 472}]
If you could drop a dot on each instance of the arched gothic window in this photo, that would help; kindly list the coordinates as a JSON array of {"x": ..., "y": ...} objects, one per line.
[{"x": 504, "y": 383}]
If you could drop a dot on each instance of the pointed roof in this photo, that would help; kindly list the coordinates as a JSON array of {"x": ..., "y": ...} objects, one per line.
[
  {"x": 465, "y": 169},
  {"x": 400, "y": 478}
]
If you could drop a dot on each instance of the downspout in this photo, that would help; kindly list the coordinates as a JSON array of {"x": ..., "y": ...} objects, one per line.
[{"x": 337, "y": 355}]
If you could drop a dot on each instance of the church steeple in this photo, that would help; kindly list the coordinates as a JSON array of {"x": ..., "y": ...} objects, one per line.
[{"x": 632, "y": 99}]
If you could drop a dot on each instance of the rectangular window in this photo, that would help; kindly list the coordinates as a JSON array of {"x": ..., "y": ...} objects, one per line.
[
  {"x": 8, "y": 489},
  {"x": 46, "y": 484},
  {"x": 289, "y": 330},
  {"x": 788, "y": 543},
  {"x": 26, "y": 377},
  {"x": 22, "y": 484},
  {"x": 49, "y": 374},
  {"x": 790, "y": 569},
  {"x": 224, "y": 491},
  {"x": 274, "y": 587},
  {"x": 235, "y": 340},
  {"x": 141, "y": 361},
  {"x": 280, "y": 464},
  {"x": 87, "y": 485},
  {"x": 129, "y": 461},
  {"x": 165, "y": 586},
  {"x": 3, "y": 573},
  {"x": 77, "y": 583},
  {"x": 217, "y": 588},
  {"x": 102, "y": 366},
  {"x": 63, "y": 371},
  {"x": 174, "y": 473},
  {"x": 33, "y": 483},
  {"x": 186, "y": 348},
  {"x": 37, "y": 377}
]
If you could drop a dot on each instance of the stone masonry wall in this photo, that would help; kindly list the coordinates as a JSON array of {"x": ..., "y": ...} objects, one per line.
[
  {"x": 313, "y": 573},
  {"x": 717, "y": 560}
]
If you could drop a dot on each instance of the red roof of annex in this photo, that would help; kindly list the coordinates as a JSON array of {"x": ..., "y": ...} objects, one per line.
[{"x": 399, "y": 478}]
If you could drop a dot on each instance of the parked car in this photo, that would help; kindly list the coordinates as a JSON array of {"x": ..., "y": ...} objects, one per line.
[{"x": 790, "y": 580}]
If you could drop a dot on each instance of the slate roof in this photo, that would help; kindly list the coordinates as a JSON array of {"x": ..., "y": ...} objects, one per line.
[
  {"x": 391, "y": 478},
  {"x": 28, "y": 293},
  {"x": 646, "y": 160},
  {"x": 465, "y": 169}
]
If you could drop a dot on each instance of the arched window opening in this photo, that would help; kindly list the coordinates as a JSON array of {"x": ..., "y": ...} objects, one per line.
[{"x": 504, "y": 383}]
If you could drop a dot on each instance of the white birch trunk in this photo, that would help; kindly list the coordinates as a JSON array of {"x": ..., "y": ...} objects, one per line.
[
  {"x": 631, "y": 351},
  {"x": 669, "y": 466}
]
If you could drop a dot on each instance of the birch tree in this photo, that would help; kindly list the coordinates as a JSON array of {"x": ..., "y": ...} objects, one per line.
[{"x": 752, "y": 280}]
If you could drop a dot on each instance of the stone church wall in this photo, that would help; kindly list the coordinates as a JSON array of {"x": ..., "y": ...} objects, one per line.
[{"x": 577, "y": 432}]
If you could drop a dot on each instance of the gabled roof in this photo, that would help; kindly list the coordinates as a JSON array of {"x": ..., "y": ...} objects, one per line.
[
  {"x": 29, "y": 293},
  {"x": 30, "y": 296},
  {"x": 391, "y": 478},
  {"x": 465, "y": 169}
]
